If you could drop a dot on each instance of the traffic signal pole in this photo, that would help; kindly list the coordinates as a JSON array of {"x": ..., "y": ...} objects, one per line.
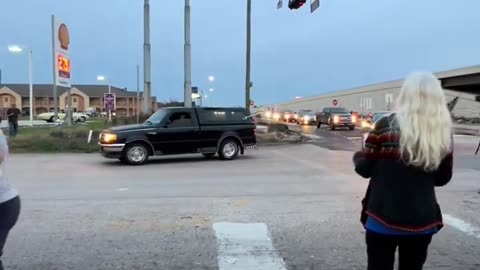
[{"x": 248, "y": 56}]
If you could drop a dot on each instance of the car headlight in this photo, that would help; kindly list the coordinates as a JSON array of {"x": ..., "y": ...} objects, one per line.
[
  {"x": 306, "y": 117},
  {"x": 108, "y": 137},
  {"x": 276, "y": 116},
  {"x": 268, "y": 114},
  {"x": 354, "y": 119},
  {"x": 287, "y": 116},
  {"x": 336, "y": 119}
]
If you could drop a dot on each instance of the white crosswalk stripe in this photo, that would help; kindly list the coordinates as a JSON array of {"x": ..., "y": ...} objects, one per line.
[{"x": 246, "y": 246}]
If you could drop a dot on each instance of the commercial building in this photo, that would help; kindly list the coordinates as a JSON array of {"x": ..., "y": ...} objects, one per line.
[
  {"x": 83, "y": 98},
  {"x": 463, "y": 84}
]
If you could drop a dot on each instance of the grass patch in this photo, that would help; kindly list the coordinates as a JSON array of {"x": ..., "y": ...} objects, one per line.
[{"x": 64, "y": 139}]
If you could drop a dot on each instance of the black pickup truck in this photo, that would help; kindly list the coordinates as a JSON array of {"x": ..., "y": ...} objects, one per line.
[
  {"x": 336, "y": 117},
  {"x": 171, "y": 131}
]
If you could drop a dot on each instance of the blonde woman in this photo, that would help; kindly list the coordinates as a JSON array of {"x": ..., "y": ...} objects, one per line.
[
  {"x": 406, "y": 156},
  {"x": 9, "y": 199}
]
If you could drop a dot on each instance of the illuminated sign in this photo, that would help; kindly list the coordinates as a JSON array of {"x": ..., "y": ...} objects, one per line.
[{"x": 63, "y": 67}]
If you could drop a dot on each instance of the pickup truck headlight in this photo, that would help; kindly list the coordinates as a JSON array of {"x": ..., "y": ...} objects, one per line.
[
  {"x": 108, "y": 138},
  {"x": 354, "y": 119},
  {"x": 336, "y": 119}
]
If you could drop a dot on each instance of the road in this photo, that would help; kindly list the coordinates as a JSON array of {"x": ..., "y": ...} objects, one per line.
[{"x": 286, "y": 207}]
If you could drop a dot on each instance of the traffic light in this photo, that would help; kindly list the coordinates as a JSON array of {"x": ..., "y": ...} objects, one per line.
[{"x": 296, "y": 4}]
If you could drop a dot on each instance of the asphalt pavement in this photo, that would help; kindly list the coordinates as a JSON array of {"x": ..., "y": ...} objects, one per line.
[{"x": 285, "y": 207}]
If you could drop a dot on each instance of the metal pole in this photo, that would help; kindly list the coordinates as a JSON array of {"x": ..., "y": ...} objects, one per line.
[
  {"x": 247, "y": 75},
  {"x": 70, "y": 110},
  {"x": 55, "y": 95},
  {"x": 188, "y": 59},
  {"x": 110, "y": 110},
  {"x": 30, "y": 80},
  {"x": 138, "y": 94},
  {"x": 146, "y": 59}
]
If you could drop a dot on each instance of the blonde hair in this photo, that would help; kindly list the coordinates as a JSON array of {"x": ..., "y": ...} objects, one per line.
[{"x": 424, "y": 121}]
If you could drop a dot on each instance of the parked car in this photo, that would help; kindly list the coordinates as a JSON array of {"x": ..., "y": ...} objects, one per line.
[
  {"x": 336, "y": 117},
  {"x": 49, "y": 117},
  {"x": 227, "y": 132},
  {"x": 306, "y": 117}
]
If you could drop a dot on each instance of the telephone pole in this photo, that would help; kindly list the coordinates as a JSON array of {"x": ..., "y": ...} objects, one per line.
[
  {"x": 187, "y": 59},
  {"x": 147, "y": 91},
  {"x": 248, "y": 83}
]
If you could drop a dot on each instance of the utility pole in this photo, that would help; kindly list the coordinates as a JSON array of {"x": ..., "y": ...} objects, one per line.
[
  {"x": 187, "y": 59},
  {"x": 138, "y": 95},
  {"x": 55, "y": 94},
  {"x": 147, "y": 91},
  {"x": 248, "y": 83}
]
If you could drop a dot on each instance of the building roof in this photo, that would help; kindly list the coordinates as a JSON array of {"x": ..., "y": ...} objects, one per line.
[
  {"x": 395, "y": 84},
  {"x": 46, "y": 90}
]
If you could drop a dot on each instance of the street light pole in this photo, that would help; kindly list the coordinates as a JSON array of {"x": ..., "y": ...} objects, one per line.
[
  {"x": 30, "y": 80},
  {"x": 248, "y": 55},
  {"x": 188, "y": 59}
]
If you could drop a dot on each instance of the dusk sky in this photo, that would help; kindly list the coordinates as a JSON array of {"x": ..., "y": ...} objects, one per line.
[{"x": 294, "y": 53}]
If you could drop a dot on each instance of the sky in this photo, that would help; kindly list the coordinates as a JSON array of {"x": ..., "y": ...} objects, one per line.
[{"x": 344, "y": 44}]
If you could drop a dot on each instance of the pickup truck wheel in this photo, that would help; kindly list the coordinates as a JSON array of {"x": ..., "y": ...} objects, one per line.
[
  {"x": 208, "y": 155},
  {"x": 229, "y": 149},
  {"x": 50, "y": 120},
  {"x": 136, "y": 154}
]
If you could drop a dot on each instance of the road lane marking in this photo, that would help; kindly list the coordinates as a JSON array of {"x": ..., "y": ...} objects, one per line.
[
  {"x": 122, "y": 189},
  {"x": 461, "y": 225},
  {"x": 246, "y": 246}
]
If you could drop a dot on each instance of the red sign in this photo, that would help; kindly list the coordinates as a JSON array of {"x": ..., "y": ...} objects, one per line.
[
  {"x": 63, "y": 66},
  {"x": 335, "y": 102}
]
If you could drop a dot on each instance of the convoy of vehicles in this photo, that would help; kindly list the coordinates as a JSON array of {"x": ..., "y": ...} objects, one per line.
[{"x": 227, "y": 132}]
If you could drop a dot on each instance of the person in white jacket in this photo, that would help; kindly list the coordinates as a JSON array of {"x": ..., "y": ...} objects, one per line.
[{"x": 9, "y": 198}]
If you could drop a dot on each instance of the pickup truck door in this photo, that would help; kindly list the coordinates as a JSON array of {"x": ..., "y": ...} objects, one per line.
[{"x": 178, "y": 135}]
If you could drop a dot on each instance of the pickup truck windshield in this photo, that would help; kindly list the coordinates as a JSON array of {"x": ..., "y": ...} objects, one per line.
[
  {"x": 156, "y": 118},
  {"x": 338, "y": 110}
]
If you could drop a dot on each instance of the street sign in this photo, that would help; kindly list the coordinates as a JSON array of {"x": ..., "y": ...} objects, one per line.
[
  {"x": 61, "y": 46},
  {"x": 335, "y": 102},
  {"x": 314, "y": 4},
  {"x": 110, "y": 101},
  {"x": 252, "y": 103}
]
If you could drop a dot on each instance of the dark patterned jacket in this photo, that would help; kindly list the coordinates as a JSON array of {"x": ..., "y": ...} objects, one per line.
[{"x": 399, "y": 195}]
